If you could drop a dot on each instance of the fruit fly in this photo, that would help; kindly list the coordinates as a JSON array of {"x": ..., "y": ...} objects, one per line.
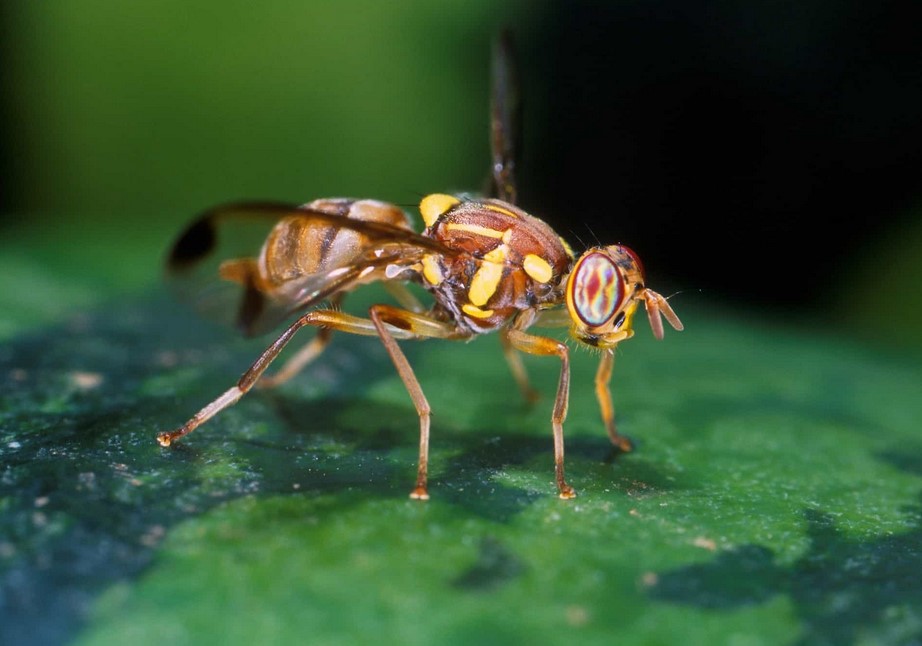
[{"x": 488, "y": 265}]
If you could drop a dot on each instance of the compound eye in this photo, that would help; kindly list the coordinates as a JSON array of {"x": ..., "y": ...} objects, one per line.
[{"x": 596, "y": 289}]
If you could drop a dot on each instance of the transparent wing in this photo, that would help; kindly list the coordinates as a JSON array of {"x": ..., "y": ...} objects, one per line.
[
  {"x": 505, "y": 117},
  {"x": 254, "y": 264}
]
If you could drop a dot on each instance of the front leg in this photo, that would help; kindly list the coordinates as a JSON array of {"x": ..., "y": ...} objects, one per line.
[
  {"x": 541, "y": 345},
  {"x": 603, "y": 394}
]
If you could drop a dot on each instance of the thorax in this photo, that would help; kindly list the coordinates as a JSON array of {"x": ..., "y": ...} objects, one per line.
[{"x": 510, "y": 261}]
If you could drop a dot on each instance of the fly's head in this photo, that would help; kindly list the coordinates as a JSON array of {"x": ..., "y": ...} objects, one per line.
[{"x": 603, "y": 291}]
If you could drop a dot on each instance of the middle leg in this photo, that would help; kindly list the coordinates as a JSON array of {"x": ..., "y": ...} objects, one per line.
[{"x": 541, "y": 345}]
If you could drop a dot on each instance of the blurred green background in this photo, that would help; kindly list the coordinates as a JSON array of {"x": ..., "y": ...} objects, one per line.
[
  {"x": 765, "y": 155},
  {"x": 122, "y": 122}
]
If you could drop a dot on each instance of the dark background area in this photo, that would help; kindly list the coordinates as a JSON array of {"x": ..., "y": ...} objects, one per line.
[
  {"x": 766, "y": 155},
  {"x": 749, "y": 148}
]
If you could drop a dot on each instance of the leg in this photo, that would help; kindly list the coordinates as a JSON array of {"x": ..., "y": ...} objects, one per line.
[
  {"x": 320, "y": 318},
  {"x": 544, "y": 346},
  {"x": 422, "y": 326},
  {"x": 603, "y": 394},
  {"x": 318, "y": 344},
  {"x": 299, "y": 360},
  {"x": 304, "y": 356},
  {"x": 514, "y": 359},
  {"x": 388, "y": 323}
]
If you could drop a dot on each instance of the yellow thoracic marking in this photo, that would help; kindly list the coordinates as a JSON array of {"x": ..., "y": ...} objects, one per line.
[
  {"x": 484, "y": 283},
  {"x": 431, "y": 270},
  {"x": 538, "y": 268},
  {"x": 476, "y": 312},
  {"x": 500, "y": 209},
  {"x": 475, "y": 228},
  {"x": 434, "y": 205},
  {"x": 487, "y": 277},
  {"x": 497, "y": 255}
]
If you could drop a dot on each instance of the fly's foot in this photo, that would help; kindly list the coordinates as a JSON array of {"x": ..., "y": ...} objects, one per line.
[
  {"x": 567, "y": 492},
  {"x": 419, "y": 493}
]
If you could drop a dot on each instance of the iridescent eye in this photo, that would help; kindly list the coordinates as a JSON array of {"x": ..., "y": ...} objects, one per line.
[{"x": 595, "y": 290}]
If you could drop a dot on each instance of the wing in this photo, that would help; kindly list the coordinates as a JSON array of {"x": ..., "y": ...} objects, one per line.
[
  {"x": 505, "y": 117},
  {"x": 254, "y": 264}
]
